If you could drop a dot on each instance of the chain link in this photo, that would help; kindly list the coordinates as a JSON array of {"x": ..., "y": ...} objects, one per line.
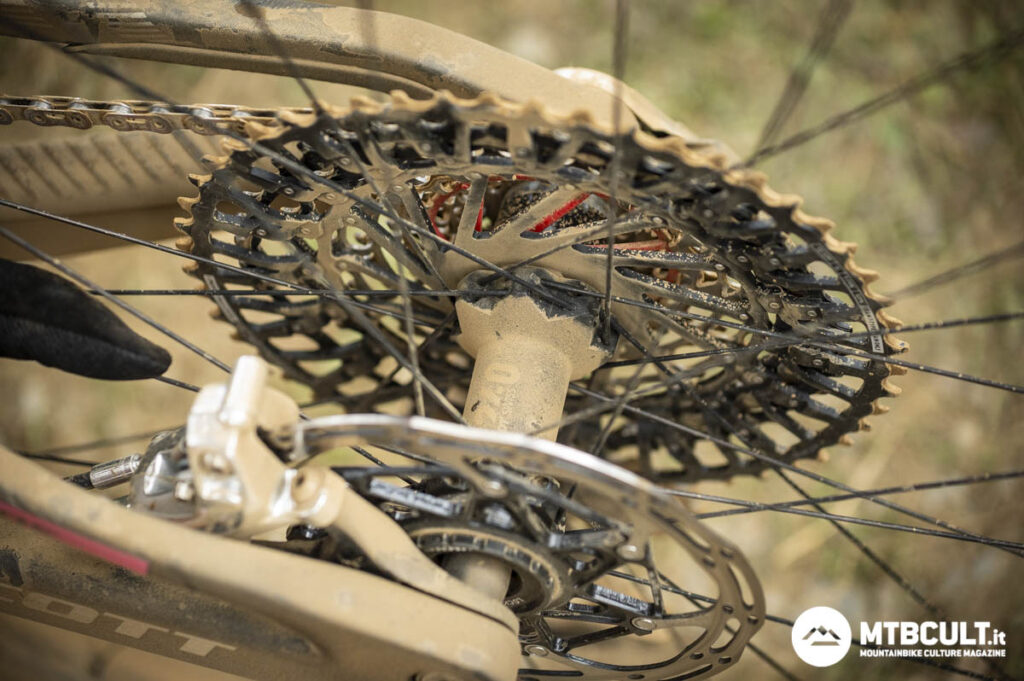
[{"x": 137, "y": 115}]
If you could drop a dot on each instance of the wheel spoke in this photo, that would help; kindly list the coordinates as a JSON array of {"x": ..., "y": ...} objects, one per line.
[
  {"x": 831, "y": 18},
  {"x": 951, "y": 275},
  {"x": 130, "y": 309},
  {"x": 882, "y": 491},
  {"x": 994, "y": 52},
  {"x": 774, "y": 462}
]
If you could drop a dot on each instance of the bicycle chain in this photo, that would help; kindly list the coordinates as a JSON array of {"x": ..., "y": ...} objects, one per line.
[
  {"x": 138, "y": 116},
  {"x": 762, "y": 259}
]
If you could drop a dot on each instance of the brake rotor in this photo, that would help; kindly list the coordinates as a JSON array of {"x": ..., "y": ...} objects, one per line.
[
  {"x": 704, "y": 258},
  {"x": 611, "y": 577}
]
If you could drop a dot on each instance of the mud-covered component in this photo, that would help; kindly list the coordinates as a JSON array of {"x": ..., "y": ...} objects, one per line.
[
  {"x": 704, "y": 257},
  {"x": 525, "y": 352},
  {"x": 611, "y": 578}
]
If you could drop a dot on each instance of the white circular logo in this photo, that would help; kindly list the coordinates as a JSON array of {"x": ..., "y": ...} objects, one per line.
[{"x": 821, "y": 636}]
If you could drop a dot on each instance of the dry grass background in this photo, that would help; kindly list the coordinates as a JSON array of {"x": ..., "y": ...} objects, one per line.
[{"x": 928, "y": 184}]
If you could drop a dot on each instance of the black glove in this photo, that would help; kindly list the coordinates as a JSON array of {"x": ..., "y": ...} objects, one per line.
[{"x": 49, "y": 319}]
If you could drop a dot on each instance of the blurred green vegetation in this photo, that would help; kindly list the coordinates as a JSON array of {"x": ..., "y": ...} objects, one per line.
[{"x": 925, "y": 185}]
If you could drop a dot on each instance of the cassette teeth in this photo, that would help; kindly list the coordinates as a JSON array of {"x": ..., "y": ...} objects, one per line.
[
  {"x": 891, "y": 389},
  {"x": 522, "y": 120},
  {"x": 823, "y": 225},
  {"x": 215, "y": 162},
  {"x": 230, "y": 145},
  {"x": 197, "y": 180},
  {"x": 290, "y": 117},
  {"x": 865, "y": 275},
  {"x": 888, "y": 320}
]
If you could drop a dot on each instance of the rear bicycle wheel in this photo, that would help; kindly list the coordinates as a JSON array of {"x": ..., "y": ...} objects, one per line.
[{"x": 853, "y": 470}]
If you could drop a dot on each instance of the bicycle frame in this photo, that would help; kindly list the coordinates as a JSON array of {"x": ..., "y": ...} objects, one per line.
[
  {"x": 179, "y": 593},
  {"x": 223, "y": 604},
  {"x": 373, "y": 50},
  {"x": 107, "y": 572}
]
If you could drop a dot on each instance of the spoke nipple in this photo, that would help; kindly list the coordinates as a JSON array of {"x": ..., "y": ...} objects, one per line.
[
  {"x": 644, "y": 623},
  {"x": 536, "y": 650}
]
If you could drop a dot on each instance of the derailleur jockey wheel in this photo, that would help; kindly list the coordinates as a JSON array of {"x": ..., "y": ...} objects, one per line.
[{"x": 464, "y": 205}]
